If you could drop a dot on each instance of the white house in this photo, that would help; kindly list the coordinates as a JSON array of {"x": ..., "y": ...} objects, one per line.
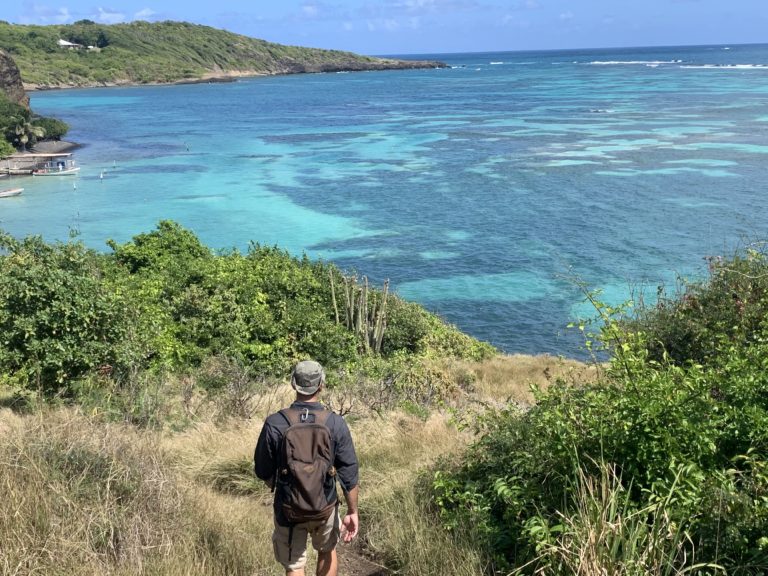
[{"x": 69, "y": 45}]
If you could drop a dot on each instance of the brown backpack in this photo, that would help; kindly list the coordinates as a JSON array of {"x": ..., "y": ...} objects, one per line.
[{"x": 306, "y": 466}]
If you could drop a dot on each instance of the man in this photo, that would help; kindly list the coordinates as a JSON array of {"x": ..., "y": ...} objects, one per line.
[{"x": 290, "y": 538}]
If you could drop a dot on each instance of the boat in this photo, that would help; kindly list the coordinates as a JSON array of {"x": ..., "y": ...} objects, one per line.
[
  {"x": 58, "y": 167},
  {"x": 11, "y": 192}
]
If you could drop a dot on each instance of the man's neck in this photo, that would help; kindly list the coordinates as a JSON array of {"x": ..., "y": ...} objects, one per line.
[{"x": 313, "y": 398}]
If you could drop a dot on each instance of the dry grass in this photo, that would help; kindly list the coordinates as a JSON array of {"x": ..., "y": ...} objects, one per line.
[
  {"x": 398, "y": 525},
  {"x": 511, "y": 377},
  {"x": 80, "y": 499},
  {"x": 85, "y": 497}
]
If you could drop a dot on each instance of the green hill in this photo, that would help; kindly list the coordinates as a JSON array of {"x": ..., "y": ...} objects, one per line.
[{"x": 143, "y": 52}]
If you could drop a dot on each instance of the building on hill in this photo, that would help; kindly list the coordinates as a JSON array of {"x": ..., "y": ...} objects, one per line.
[{"x": 69, "y": 45}]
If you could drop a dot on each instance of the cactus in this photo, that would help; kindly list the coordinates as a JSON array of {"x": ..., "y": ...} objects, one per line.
[{"x": 368, "y": 320}]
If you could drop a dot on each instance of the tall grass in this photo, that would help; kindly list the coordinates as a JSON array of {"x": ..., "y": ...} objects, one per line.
[
  {"x": 85, "y": 496},
  {"x": 81, "y": 497},
  {"x": 399, "y": 526},
  {"x": 512, "y": 377},
  {"x": 604, "y": 534}
]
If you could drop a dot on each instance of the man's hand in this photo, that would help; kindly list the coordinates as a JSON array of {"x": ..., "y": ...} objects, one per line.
[{"x": 349, "y": 527}]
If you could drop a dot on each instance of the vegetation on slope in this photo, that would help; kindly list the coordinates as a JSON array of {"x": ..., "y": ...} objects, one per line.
[
  {"x": 143, "y": 52},
  {"x": 165, "y": 302},
  {"x": 90, "y": 491},
  {"x": 21, "y": 128},
  {"x": 658, "y": 468}
]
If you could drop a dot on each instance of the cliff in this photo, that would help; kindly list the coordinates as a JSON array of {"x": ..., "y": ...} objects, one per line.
[{"x": 10, "y": 80}]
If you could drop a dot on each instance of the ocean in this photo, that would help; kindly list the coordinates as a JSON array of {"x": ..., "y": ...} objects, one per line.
[{"x": 488, "y": 191}]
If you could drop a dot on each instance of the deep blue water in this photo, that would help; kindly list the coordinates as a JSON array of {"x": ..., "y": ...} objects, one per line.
[{"x": 478, "y": 190}]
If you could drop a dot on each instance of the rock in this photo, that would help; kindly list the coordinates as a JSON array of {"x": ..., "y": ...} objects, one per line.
[{"x": 10, "y": 80}]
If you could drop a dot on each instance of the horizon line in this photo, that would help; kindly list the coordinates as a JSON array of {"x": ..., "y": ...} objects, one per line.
[{"x": 391, "y": 54}]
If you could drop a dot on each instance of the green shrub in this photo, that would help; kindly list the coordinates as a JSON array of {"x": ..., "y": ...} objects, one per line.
[
  {"x": 693, "y": 435},
  {"x": 730, "y": 305},
  {"x": 11, "y": 115},
  {"x": 57, "y": 319},
  {"x": 165, "y": 302},
  {"x": 54, "y": 129},
  {"x": 6, "y": 149},
  {"x": 407, "y": 326}
]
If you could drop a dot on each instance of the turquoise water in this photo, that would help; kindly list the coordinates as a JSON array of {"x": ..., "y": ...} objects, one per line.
[{"x": 479, "y": 190}]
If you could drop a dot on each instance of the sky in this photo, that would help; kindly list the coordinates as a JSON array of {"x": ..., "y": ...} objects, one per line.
[{"x": 434, "y": 26}]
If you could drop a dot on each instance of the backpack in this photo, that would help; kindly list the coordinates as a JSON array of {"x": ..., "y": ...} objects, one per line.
[{"x": 306, "y": 467}]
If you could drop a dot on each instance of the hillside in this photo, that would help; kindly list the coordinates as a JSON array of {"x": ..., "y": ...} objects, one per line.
[{"x": 143, "y": 52}]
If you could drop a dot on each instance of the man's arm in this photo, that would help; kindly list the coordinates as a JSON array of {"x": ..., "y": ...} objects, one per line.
[
  {"x": 264, "y": 464},
  {"x": 347, "y": 472},
  {"x": 351, "y": 522}
]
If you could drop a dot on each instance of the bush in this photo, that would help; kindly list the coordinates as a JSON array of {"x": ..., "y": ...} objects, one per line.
[
  {"x": 57, "y": 319},
  {"x": 11, "y": 115},
  {"x": 164, "y": 301},
  {"x": 6, "y": 149},
  {"x": 693, "y": 436},
  {"x": 54, "y": 129},
  {"x": 730, "y": 305}
]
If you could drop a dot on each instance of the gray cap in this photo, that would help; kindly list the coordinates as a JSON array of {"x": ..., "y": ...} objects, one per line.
[{"x": 307, "y": 377}]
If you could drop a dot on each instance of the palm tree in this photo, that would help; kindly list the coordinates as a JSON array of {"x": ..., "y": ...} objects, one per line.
[{"x": 26, "y": 131}]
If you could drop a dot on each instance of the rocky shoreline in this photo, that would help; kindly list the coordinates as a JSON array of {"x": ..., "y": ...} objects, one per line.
[
  {"x": 55, "y": 147},
  {"x": 221, "y": 76}
]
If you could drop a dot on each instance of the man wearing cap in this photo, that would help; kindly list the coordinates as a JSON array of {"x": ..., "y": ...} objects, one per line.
[{"x": 290, "y": 540}]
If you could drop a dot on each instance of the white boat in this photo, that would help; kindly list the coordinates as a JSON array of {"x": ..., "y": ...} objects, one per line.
[
  {"x": 57, "y": 168},
  {"x": 11, "y": 192}
]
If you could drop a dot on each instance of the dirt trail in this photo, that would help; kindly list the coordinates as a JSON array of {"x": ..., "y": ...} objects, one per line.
[{"x": 352, "y": 564}]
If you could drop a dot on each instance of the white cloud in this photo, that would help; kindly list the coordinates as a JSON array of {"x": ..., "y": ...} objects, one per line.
[
  {"x": 348, "y": 26},
  {"x": 109, "y": 16},
  {"x": 387, "y": 8},
  {"x": 514, "y": 22},
  {"x": 43, "y": 15},
  {"x": 63, "y": 16},
  {"x": 387, "y": 24},
  {"x": 416, "y": 5},
  {"x": 144, "y": 14},
  {"x": 390, "y": 24},
  {"x": 309, "y": 10},
  {"x": 565, "y": 16}
]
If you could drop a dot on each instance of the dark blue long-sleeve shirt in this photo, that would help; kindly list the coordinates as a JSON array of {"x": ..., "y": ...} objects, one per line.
[{"x": 266, "y": 457}]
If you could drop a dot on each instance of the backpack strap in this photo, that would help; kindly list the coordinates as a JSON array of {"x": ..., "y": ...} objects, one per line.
[
  {"x": 293, "y": 415},
  {"x": 322, "y": 416}
]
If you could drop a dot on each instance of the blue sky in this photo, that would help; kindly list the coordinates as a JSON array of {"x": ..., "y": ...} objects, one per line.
[{"x": 429, "y": 26}]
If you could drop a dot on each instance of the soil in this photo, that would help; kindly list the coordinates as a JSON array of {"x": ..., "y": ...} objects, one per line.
[{"x": 351, "y": 563}]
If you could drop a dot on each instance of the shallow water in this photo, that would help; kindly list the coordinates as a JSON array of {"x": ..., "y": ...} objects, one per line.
[{"x": 479, "y": 190}]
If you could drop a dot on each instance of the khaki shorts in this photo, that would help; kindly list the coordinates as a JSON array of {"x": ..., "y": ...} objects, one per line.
[{"x": 290, "y": 543}]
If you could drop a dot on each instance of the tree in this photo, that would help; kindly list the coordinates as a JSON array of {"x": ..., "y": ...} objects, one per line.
[
  {"x": 54, "y": 128},
  {"x": 26, "y": 132},
  {"x": 6, "y": 149}
]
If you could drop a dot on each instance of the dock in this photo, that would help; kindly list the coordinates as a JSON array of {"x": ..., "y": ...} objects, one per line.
[{"x": 24, "y": 164}]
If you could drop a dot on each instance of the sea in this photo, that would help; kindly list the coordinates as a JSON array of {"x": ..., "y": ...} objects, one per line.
[{"x": 494, "y": 191}]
